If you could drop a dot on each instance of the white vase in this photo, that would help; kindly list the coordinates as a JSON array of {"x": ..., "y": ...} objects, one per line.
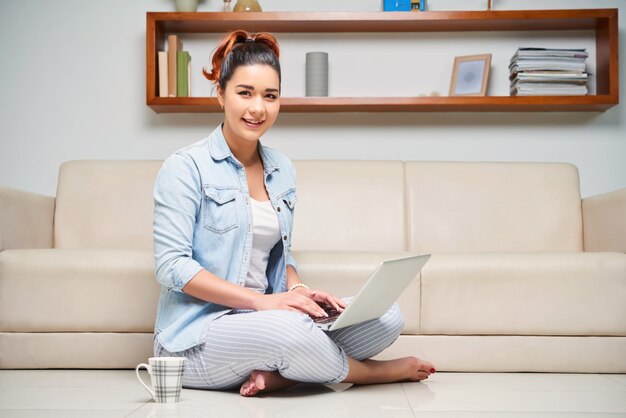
[{"x": 186, "y": 5}]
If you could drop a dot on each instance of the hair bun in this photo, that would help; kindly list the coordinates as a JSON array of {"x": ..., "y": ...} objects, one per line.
[{"x": 231, "y": 41}]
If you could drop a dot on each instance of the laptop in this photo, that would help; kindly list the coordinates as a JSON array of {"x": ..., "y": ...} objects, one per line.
[{"x": 382, "y": 289}]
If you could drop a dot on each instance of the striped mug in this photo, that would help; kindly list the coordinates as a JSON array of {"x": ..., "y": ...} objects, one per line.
[{"x": 166, "y": 375}]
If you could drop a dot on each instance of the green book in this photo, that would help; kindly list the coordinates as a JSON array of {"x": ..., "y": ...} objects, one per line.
[{"x": 183, "y": 66}]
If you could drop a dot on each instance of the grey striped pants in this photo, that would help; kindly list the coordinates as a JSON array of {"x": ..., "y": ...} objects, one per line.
[{"x": 283, "y": 341}]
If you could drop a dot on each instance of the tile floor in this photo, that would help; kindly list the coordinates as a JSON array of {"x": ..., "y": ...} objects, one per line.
[{"x": 116, "y": 393}]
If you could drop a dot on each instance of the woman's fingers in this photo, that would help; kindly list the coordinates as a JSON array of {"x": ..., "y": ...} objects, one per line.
[
  {"x": 331, "y": 300},
  {"x": 308, "y": 306}
]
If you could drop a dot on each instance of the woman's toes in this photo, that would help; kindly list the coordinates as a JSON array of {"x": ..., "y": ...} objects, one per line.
[{"x": 254, "y": 384}]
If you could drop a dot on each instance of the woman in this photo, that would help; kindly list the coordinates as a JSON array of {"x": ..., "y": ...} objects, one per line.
[{"x": 231, "y": 300}]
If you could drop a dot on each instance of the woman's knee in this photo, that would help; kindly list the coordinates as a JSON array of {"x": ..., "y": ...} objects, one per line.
[{"x": 393, "y": 320}]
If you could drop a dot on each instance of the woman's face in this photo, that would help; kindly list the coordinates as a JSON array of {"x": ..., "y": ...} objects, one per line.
[{"x": 251, "y": 102}]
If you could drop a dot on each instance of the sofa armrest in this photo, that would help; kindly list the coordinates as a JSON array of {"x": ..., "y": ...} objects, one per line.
[
  {"x": 604, "y": 222},
  {"x": 26, "y": 219}
]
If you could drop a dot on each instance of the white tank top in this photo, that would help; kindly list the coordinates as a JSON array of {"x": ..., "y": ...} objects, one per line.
[{"x": 265, "y": 235}]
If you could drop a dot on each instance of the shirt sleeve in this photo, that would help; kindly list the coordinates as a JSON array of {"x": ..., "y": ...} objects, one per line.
[{"x": 177, "y": 198}]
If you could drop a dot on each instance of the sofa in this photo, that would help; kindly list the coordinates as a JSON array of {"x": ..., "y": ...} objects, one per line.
[{"x": 524, "y": 274}]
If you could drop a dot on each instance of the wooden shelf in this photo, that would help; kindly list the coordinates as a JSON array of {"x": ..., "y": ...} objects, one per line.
[
  {"x": 603, "y": 21},
  {"x": 400, "y": 104}
]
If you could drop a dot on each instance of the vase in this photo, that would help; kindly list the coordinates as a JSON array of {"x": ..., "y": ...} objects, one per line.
[
  {"x": 247, "y": 6},
  {"x": 316, "y": 74},
  {"x": 186, "y": 5}
]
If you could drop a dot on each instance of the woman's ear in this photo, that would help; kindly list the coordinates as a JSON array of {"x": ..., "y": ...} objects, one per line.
[{"x": 220, "y": 96}]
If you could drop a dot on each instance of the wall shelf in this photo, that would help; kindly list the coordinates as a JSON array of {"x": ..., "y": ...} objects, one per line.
[{"x": 603, "y": 21}]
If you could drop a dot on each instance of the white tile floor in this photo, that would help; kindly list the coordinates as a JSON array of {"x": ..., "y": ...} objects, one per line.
[{"x": 116, "y": 393}]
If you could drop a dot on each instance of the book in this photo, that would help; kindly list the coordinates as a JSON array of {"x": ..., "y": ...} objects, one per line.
[
  {"x": 546, "y": 92},
  {"x": 163, "y": 81},
  {"x": 183, "y": 65},
  {"x": 552, "y": 89},
  {"x": 548, "y": 71},
  {"x": 174, "y": 44},
  {"x": 553, "y": 52},
  {"x": 550, "y": 77},
  {"x": 547, "y": 65}
]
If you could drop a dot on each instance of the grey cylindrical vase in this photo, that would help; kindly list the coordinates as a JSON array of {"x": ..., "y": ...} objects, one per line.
[{"x": 316, "y": 73}]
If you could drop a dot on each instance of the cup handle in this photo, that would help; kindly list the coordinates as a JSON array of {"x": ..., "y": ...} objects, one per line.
[{"x": 147, "y": 367}]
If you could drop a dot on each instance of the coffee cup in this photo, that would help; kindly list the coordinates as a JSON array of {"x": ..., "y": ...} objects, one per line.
[{"x": 166, "y": 375}]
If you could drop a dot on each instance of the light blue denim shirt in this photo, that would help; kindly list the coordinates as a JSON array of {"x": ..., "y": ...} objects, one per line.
[{"x": 203, "y": 220}]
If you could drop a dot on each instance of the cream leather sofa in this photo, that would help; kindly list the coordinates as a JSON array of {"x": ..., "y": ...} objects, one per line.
[{"x": 524, "y": 275}]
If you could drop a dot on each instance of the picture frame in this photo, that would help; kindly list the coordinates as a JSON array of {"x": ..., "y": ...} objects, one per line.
[{"x": 470, "y": 75}]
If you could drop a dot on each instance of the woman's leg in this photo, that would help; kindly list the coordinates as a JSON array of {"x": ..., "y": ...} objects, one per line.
[
  {"x": 360, "y": 342},
  {"x": 360, "y": 372},
  {"x": 272, "y": 350},
  {"x": 367, "y": 339},
  {"x": 261, "y": 342},
  {"x": 398, "y": 370}
]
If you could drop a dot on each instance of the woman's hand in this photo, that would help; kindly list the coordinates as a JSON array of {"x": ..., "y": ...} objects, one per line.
[
  {"x": 322, "y": 297},
  {"x": 289, "y": 301}
]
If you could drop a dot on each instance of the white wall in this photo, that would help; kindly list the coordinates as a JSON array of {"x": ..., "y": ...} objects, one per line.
[{"x": 72, "y": 85}]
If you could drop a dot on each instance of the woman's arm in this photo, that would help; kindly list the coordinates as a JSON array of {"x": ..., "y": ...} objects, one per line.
[
  {"x": 177, "y": 199},
  {"x": 211, "y": 288},
  {"x": 292, "y": 276}
]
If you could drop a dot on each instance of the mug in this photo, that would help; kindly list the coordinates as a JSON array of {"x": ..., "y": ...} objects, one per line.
[{"x": 166, "y": 374}]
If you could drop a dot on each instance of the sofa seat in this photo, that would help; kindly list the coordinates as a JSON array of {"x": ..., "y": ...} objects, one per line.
[
  {"x": 533, "y": 294},
  {"x": 77, "y": 290}
]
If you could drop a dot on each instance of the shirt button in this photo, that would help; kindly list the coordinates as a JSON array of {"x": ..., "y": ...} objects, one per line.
[
  {"x": 285, "y": 237},
  {"x": 278, "y": 209}
]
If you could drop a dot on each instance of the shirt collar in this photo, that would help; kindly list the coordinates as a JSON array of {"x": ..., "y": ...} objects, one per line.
[
  {"x": 217, "y": 145},
  {"x": 219, "y": 149}
]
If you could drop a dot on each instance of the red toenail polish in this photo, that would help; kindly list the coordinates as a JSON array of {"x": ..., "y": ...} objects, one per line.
[{"x": 433, "y": 370}]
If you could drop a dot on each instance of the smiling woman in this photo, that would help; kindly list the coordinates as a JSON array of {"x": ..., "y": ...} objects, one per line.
[
  {"x": 231, "y": 299},
  {"x": 251, "y": 103}
]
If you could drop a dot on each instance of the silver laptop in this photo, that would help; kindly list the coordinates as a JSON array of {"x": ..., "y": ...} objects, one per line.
[{"x": 381, "y": 290}]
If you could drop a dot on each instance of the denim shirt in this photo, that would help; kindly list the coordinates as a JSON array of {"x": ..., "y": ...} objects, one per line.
[{"x": 203, "y": 220}]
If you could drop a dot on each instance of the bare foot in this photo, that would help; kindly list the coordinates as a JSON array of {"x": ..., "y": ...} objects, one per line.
[
  {"x": 404, "y": 369},
  {"x": 264, "y": 381},
  {"x": 418, "y": 369}
]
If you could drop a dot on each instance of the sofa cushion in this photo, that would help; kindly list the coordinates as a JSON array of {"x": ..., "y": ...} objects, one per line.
[
  {"x": 524, "y": 294},
  {"x": 77, "y": 290},
  {"x": 342, "y": 273},
  {"x": 350, "y": 206},
  {"x": 74, "y": 350},
  {"x": 513, "y": 353},
  {"x": 105, "y": 204},
  {"x": 482, "y": 207}
]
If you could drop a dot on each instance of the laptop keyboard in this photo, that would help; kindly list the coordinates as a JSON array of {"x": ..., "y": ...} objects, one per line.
[{"x": 332, "y": 315}]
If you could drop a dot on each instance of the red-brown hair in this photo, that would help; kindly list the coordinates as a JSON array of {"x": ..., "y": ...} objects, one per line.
[{"x": 242, "y": 48}]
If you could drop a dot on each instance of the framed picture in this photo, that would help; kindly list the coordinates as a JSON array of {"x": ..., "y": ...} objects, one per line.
[{"x": 470, "y": 75}]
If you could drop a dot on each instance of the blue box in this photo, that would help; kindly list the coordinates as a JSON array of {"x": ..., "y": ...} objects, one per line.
[{"x": 397, "y": 5}]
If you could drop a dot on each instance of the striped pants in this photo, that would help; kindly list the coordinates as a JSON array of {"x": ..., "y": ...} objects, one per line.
[{"x": 283, "y": 341}]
